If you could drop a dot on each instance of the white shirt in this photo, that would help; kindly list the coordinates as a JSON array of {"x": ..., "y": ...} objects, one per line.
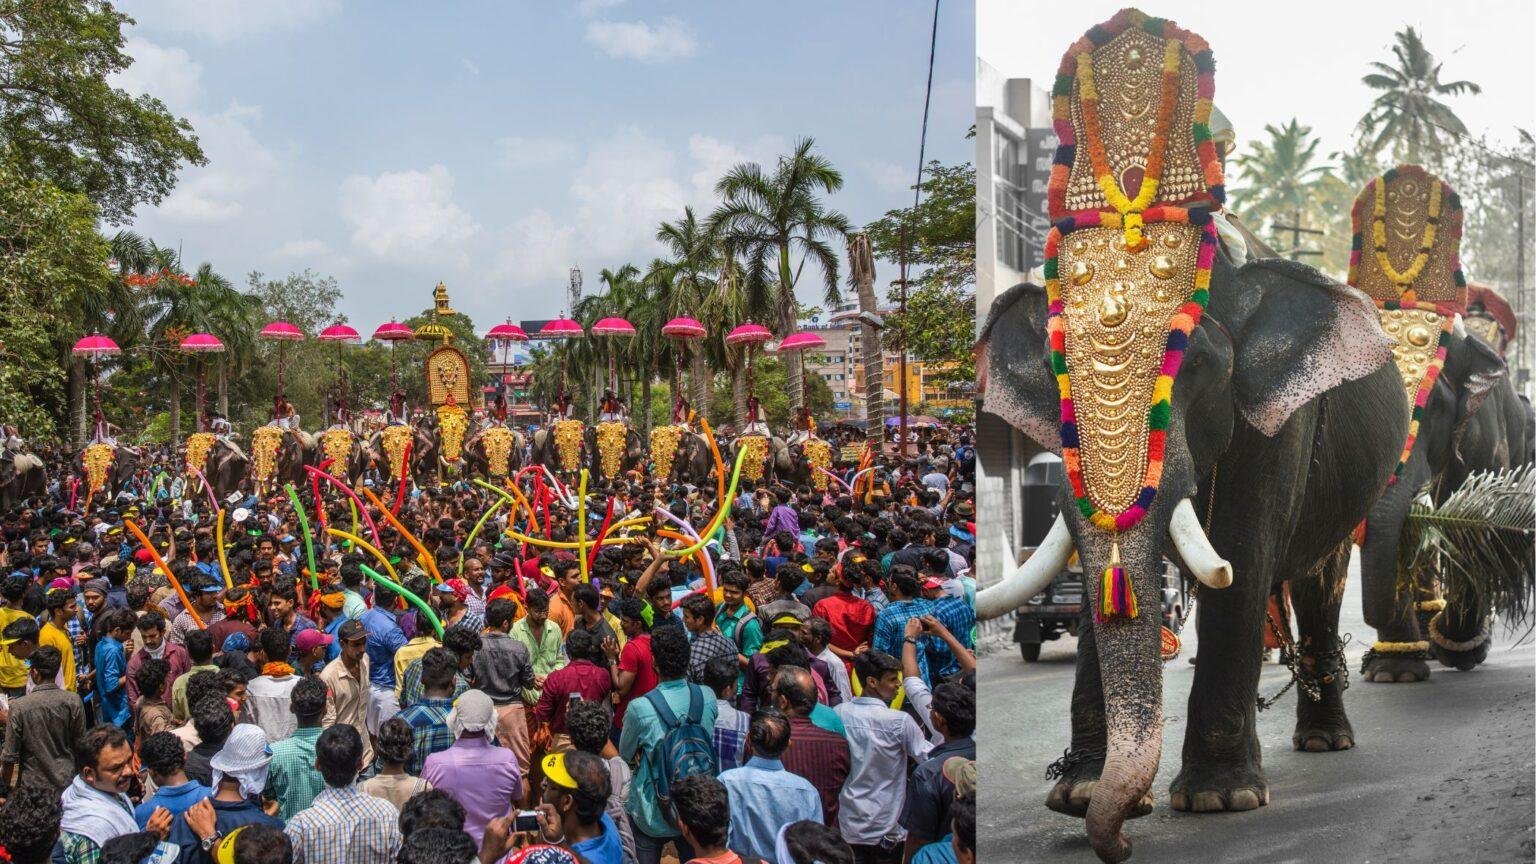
[
  {"x": 880, "y": 740},
  {"x": 839, "y": 673},
  {"x": 267, "y": 699}
]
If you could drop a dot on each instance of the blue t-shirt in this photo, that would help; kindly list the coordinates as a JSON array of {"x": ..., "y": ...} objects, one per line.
[
  {"x": 937, "y": 852},
  {"x": 605, "y": 848},
  {"x": 178, "y": 799}
]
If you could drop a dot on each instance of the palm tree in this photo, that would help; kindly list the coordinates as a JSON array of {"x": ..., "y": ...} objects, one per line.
[
  {"x": 771, "y": 217},
  {"x": 693, "y": 275},
  {"x": 1409, "y": 114},
  {"x": 1280, "y": 174}
]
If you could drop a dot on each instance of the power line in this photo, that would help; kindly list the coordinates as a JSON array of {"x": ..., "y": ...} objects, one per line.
[{"x": 917, "y": 194}]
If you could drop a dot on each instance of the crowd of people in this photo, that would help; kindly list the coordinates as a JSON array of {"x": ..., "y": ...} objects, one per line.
[{"x": 801, "y": 689}]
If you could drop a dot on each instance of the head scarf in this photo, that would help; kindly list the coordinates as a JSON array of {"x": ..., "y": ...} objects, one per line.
[{"x": 472, "y": 712}]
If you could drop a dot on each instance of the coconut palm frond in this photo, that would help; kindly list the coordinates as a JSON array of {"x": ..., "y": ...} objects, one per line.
[{"x": 1481, "y": 540}]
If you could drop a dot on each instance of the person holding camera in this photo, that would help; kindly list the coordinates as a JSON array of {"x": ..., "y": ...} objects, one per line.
[{"x": 571, "y": 814}]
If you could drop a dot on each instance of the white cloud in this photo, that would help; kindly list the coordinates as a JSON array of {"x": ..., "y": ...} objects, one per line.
[
  {"x": 301, "y": 249},
  {"x": 638, "y": 40},
  {"x": 401, "y": 213},
  {"x": 470, "y": 66},
  {"x": 169, "y": 74},
  {"x": 537, "y": 249},
  {"x": 627, "y": 185},
  {"x": 225, "y": 20},
  {"x": 588, "y": 8},
  {"x": 713, "y": 157},
  {"x": 517, "y": 152},
  {"x": 238, "y": 165},
  {"x": 889, "y": 175}
]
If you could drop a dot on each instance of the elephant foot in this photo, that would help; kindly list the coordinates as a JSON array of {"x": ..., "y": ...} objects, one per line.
[
  {"x": 1218, "y": 788},
  {"x": 1462, "y": 655},
  {"x": 1322, "y": 739},
  {"x": 1400, "y": 663},
  {"x": 1322, "y": 725},
  {"x": 1077, "y": 775}
]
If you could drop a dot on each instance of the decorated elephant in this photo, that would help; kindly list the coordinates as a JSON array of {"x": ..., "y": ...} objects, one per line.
[
  {"x": 278, "y": 457},
  {"x": 777, "y": 463},
  {"x": 680, "y": 455},
  {"x": 347, "y": 453},
  {"x": 22, "y": 476},
  {"x": 613, "y": 448},
  {"x": 561, "y": 446},
  {"x": 225, "y": 467},
  {"x": 493, "y": 452},
  {"x": 106, "y": 468},
  {"x": 1473, "y": 421}
]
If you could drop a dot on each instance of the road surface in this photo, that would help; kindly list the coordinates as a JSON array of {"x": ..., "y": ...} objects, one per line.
[{"x": 1442, "y": 771}]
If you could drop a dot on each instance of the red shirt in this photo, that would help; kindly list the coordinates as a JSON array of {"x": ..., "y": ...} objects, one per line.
[
  {"x": 636, "y": 658},
  {"x": 852, "y": 619},
  {"x": 581, "y": 677}
]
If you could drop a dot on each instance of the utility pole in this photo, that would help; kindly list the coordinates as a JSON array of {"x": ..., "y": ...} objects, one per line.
[
  {"x": 1296, "y": 230},
  {"x": 901, "y": 359}
]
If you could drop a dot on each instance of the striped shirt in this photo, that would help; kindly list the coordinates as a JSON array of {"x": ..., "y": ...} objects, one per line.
[
  {"x": 345, "y": 825},
  {"x": 429, "y": 719},
  {"x": 292, "y": 780}
]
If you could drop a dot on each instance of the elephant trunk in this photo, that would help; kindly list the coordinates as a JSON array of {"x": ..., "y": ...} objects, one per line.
[
  {"x": 1131, "y": 669},
  {"x": 1378, "y": 554}
]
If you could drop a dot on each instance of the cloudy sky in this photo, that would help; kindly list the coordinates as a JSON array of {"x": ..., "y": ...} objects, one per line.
[
  {"x": 493, "y": 145},
  {"x": 1304, "y": 58}
]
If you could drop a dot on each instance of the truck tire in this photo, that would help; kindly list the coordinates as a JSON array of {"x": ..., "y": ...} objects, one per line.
[{"x": 1030, "y": 651}]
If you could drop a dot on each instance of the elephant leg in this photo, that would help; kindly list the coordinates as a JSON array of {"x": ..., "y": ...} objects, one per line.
[
  {"x": 1078, "y": 771},
  {"x": 1321, "y": 723},
  {"x": 1399, "y": 655},
  {"x": 1461, "y": 634}
]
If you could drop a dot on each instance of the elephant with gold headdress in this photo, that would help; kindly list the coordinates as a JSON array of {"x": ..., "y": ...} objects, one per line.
[{"x": 494, "y": 452}]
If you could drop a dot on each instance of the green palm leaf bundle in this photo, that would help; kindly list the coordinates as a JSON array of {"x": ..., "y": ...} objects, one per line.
[{"x": 1481, "y": 540}]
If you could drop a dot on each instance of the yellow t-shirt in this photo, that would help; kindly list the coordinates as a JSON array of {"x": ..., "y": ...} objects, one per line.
[
  {"x": 51, "y": 635},
  {"x": 409, "y": 652},
  {"x": 12, "y": 673}
]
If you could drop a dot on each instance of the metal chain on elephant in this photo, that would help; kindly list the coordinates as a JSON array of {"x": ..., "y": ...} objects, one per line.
[
  {"x": 1070, "y": 759},
  {"x": 1333, "y": 666}
]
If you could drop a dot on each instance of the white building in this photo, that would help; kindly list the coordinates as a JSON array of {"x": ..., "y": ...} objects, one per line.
[{"x": 1014, "y": 149}]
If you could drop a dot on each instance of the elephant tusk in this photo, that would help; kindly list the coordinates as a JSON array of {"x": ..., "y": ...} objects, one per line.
[
  {"x": 1194, "y": 547},
  {"x": 1031, "y": 577}
]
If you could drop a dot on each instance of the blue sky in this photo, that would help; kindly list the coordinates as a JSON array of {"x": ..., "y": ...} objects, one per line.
[{"x": 495, "y": 145}]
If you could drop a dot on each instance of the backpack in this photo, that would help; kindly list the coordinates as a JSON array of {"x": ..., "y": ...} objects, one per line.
[
  {"x": 686, "y": 750},
  {"x": 739, "y": 634}
]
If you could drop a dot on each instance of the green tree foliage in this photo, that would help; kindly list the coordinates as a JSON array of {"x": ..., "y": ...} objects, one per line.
[
  {"x": 50, "y": 256},
  {"x": 1409, "y": 117},
  {"x": 772, "y": 388},
  {"x": 939, "y": 327},
  {"x": 63, "y": 123}
]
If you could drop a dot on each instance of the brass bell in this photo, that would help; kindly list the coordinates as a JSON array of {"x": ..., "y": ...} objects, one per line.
[
  {"x": 1418, "y": 336},
  {"x": 1082, "y": 272},
  {"x": 1163, "y": 267}
]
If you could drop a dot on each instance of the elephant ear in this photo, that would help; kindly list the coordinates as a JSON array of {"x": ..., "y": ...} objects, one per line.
[
  {"x": 1473, "y": 371},
  {"x": 1307, "y": 335},
  {"x": 1011, "y": 366}
]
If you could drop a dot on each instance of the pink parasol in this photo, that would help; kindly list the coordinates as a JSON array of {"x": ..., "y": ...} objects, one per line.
[
  {"x": 95, "y": 345},
  {"x": 613, "y": 327},
  {"x": 392, "y": 331},
  {"x": 201, "y": 343},
  {"x": 282, "y": 331},
  {"x": 748, "y": 334},
  {"x": 562, "y": 328},
  {"x": 801, "y": 342},
  {"x": 340, "y": 333},
  {"x": 684, "y": 328},
  {"x": 507, "y": 332}
]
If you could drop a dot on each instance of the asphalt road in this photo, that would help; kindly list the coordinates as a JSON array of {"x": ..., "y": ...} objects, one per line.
[{"x": 1442, "y": 770}]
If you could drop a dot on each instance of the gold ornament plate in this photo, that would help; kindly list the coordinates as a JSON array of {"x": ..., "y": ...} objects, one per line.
[
  {"x": 818, "y": 454},
  {"x": 198, "y": 445},
  {"x": 664, "y": 441},
  {"x": 497, "y": 441},
  {"x": 568, "y": 443},
  {"x": 336, "y": 445},
  {"x": 447, "y": 376},
  {"x": 1406, "y": 218},
  {"x": 1128, "y": 75},
  {"x": 265, "y": 442},
  {"x": 98, "y": 465},
  {"x": 754, "y": 464},
  {"x": 1417, "y": 339},
  {"x": 1116, "y": 308},
  {"x": 610, "y": 447},
  {"x": 1484, "y": 328},
  {"x": 394, "y": 439},
  {"x": 452, "y": 423}
]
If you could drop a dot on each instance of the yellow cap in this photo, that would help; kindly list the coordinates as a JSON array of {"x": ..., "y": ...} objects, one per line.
[
  {"x": 555, "y": 771},
  {"x": 224, "y": 853}
]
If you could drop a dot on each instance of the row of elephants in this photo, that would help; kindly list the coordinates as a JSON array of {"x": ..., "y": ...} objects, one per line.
[
  {"x": 1287, "y": 425},
  {"x": 429, "y": 461}
]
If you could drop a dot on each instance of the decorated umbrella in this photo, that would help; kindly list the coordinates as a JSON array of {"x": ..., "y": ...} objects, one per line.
[
  {"x": 682, "y": 331},
  {"x": 341, "y": 334},
  {"x": 92, "y": 347},
  {"x": 393, "y": 331},
  {"x": 200, "y": 344},
  {"x": 561, "y": 328},
  {"x": 504, "y": 335},
  {"x": 749, "y": 335},
  {"x": 615, "y": 327},
  {"x": 281, "y": 332},
  {"x": 798, "y": 344}
]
